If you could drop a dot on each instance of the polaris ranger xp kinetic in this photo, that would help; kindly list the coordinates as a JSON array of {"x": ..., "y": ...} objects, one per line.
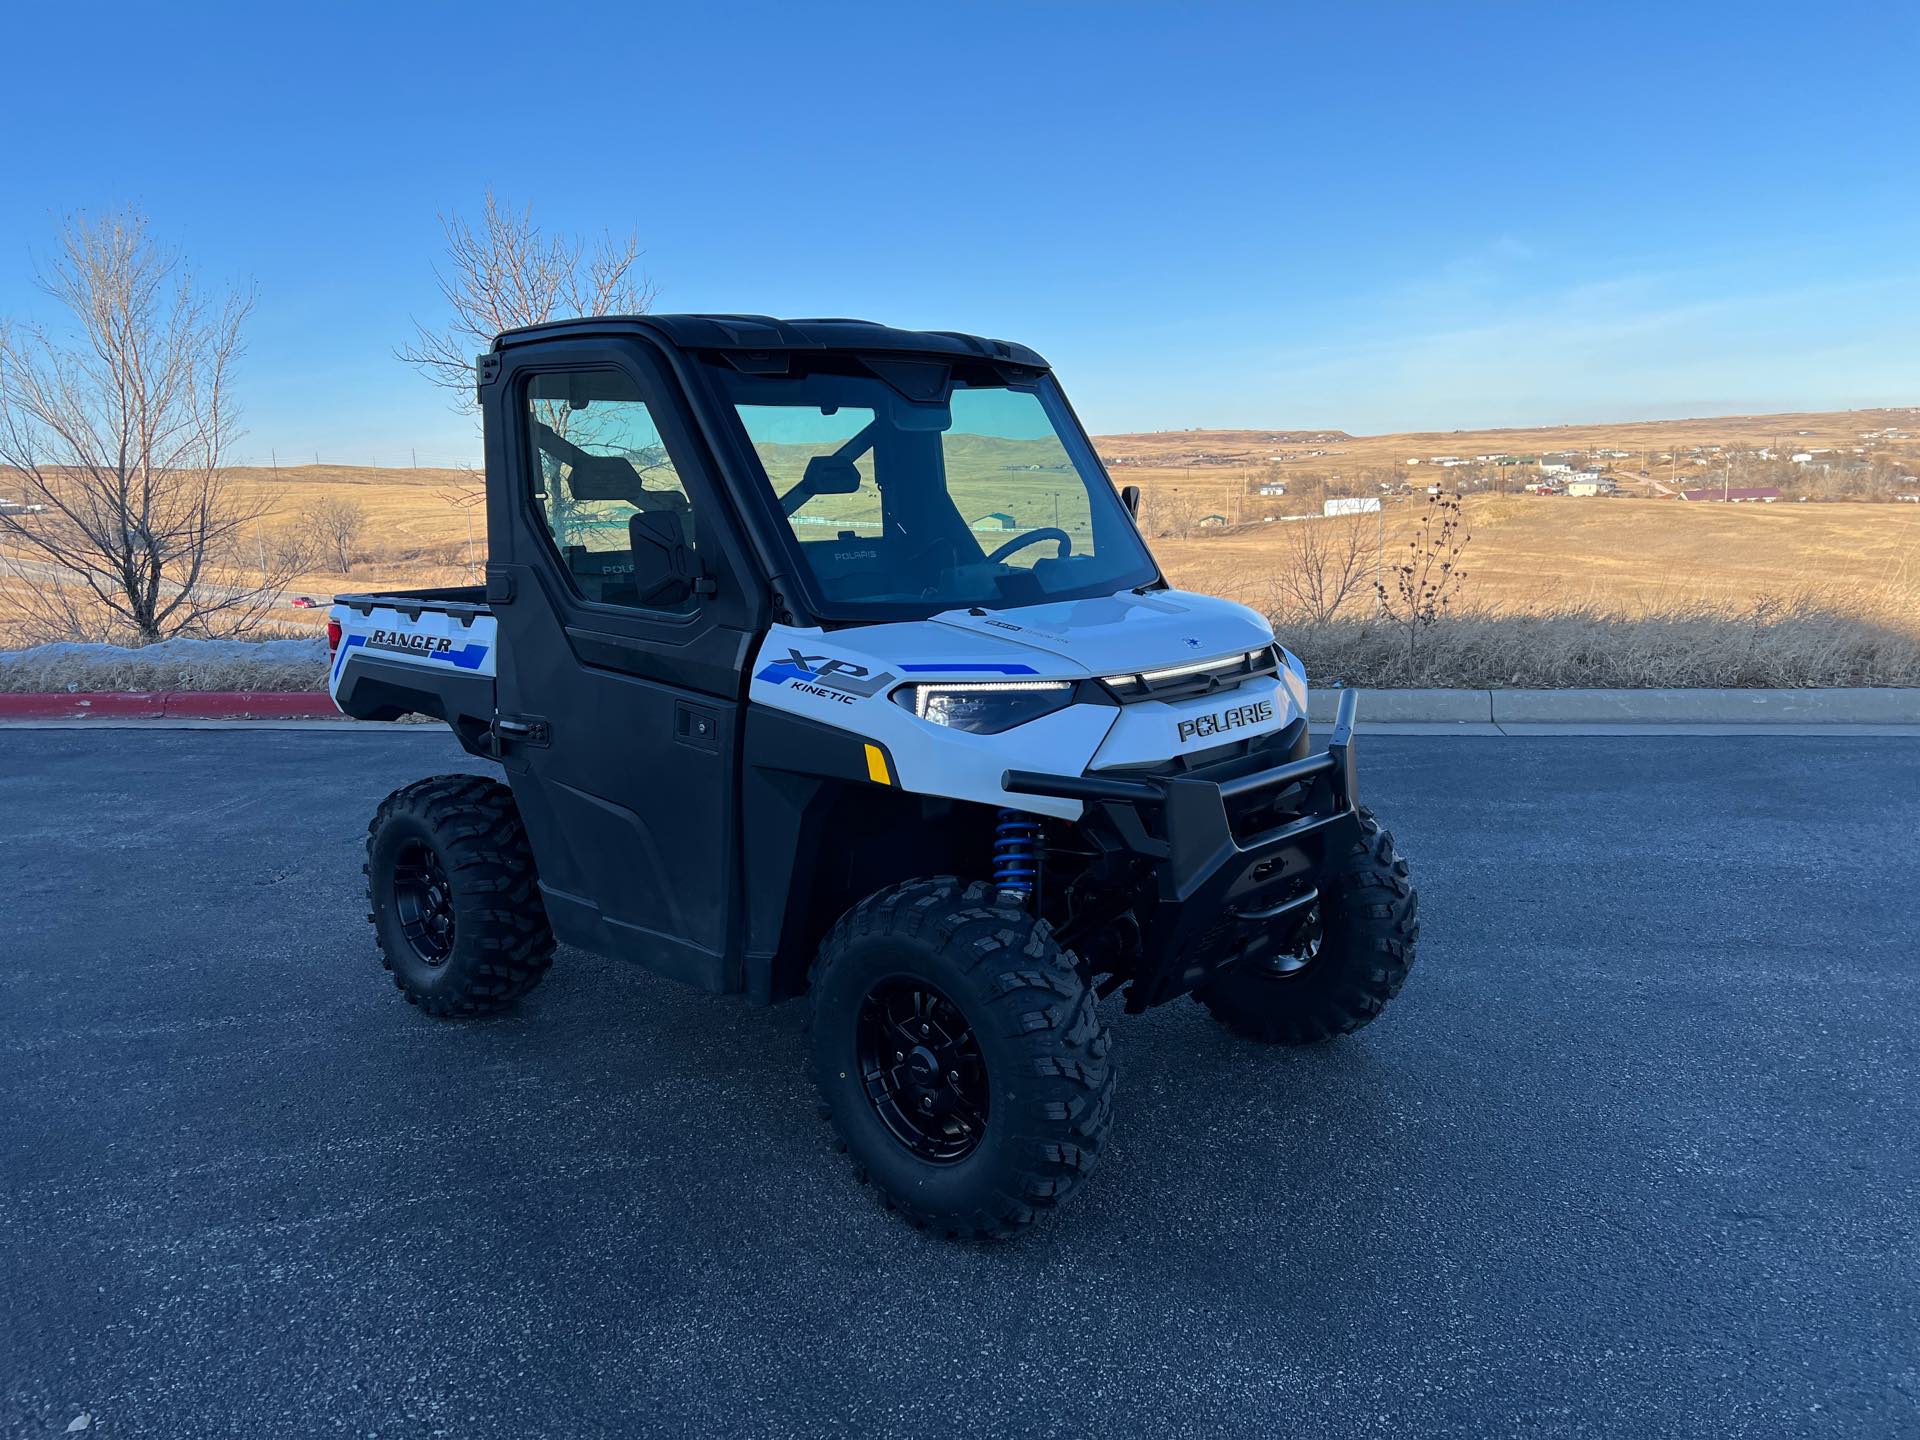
[{"x": 823, "y": 659}]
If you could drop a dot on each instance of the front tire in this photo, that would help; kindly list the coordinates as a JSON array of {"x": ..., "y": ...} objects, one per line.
[
  {"x": 959, "y": 1057},
  {"x": 453, "y": 897},
  {"x": 1363, "y": 939}
]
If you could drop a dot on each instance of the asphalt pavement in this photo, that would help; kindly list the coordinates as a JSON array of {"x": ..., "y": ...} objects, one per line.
[{"x": 1634, "y": 1153}]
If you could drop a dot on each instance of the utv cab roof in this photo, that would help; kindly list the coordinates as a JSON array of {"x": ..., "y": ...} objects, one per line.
[{"x": 764, "y": 332}]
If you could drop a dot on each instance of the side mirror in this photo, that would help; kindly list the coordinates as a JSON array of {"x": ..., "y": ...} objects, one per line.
[
  {"x": 665, "y": 569},
  {"x": 1130, "y": 497},
  {"x": 825, "y": 475},
  {"x": 829, "y": 475}
]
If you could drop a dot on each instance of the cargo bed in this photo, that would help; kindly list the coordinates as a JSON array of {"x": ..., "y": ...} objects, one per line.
[{"x": 425, "y": 652}]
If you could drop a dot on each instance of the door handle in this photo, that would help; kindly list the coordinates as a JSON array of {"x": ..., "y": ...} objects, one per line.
[{"x": 522, "y": 729}]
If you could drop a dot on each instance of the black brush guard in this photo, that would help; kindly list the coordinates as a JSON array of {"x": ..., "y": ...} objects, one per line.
[{"x": 1229, "y": 856}]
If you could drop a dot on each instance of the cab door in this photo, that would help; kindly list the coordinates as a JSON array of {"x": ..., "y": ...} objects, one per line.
[{"x": 619, "y": 684}]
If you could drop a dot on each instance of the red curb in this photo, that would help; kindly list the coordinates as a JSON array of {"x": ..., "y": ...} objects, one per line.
[{"x": 171, "y": 705}]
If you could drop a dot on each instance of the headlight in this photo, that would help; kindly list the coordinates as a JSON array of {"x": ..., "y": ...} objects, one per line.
[{"x": 986, "y": 707}]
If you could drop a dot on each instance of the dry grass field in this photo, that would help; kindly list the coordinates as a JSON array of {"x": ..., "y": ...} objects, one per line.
[
  {"x": 1531, "y": 553},
  {"x": 1194, "y": 451},
  {"x": 415, "y": 535},
  {"x": 1216, "y": 469},
  {"x": 1530, "y": 556}
]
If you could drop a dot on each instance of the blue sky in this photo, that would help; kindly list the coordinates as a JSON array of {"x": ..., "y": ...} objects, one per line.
[{"x": 1370, "y": 216}]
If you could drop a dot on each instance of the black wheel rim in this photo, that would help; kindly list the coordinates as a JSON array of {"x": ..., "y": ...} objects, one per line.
[
  {"x": 423, "y": 901},
  {"x": 922, "y": 1068}
]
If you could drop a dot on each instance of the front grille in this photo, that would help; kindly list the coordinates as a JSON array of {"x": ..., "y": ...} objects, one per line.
[{"x": 1202, "y": 677}]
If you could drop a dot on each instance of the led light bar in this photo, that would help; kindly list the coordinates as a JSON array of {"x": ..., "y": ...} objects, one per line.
[
  {"x": 924, "y": 691},
  {"x": 1174, "y": 672}
]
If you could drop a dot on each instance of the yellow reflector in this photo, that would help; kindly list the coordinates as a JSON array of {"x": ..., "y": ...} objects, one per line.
[{"x": 877, "y": 766}]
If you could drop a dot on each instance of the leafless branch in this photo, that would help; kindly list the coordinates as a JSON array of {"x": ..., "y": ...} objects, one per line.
[
  {"x": 336, "y": 527},
  {"x": 116, "y": 430},
  {"x": 506, "y": 272},
  {"x": 1324, "y": 563}
]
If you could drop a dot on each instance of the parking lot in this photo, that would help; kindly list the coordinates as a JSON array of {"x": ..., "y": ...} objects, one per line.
[{"x": 1634, "y": 1153}]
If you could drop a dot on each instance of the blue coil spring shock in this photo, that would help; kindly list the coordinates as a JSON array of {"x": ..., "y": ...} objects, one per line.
[{"x": 1016, "y": 856}]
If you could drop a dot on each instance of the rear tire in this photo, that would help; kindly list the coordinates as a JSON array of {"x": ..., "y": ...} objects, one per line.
[
  {"x": 1369, "y": 926},
  {"x": 1001, "y": 1108},
  {"x": 453, "y": 896}
]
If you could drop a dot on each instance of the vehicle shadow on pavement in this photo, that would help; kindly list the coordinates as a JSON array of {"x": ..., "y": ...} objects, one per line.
[{"x": 1209, "y": 1129}]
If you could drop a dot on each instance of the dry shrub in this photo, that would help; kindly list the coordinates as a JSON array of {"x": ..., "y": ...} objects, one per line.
[
  {"x": 180, "y": 664},
  {"x": 1793, "y": 642}
]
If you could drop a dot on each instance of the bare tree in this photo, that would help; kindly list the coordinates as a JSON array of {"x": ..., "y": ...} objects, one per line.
[
  {"x": 1168, "y": 512},
  {"x": 506, "y": 272},
  {"x": 1324, "y": 563},
  {"x": 336, "y": 526},
  {"x": 117, "y": 431}
]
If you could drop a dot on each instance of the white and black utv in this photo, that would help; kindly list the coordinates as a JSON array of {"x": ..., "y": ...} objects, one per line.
[{"x": 823, "y": 658}]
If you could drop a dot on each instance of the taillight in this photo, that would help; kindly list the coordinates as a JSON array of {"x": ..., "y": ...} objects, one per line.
[{"x": 333, "y": 637}]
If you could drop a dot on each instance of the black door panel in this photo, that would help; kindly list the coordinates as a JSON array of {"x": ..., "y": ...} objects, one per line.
[
  {"x": 631, "y": 803},
  {"x": 712, "y": 666}
]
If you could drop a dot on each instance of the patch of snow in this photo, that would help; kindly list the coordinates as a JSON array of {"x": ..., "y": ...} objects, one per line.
[{"x": 179, "y": 650}]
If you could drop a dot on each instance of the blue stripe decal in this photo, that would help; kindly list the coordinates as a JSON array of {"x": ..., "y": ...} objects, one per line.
[
  {"x": 468, "y": 657},
  {"x": 975, "y": 669},
  {"x": 340, "y": 659},
  {"x": 781, "y": 672}
]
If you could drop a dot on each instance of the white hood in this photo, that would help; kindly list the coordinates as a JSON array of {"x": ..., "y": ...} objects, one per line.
[
  {"x": 1125, "y": 632},
  {"x": 844, "y": 678}
]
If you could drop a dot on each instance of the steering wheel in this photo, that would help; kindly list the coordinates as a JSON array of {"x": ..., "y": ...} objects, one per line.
[{"x": 1034, "y": 537}]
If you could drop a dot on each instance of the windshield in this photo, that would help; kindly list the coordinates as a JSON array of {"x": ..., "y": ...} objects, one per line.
[{"x": 973, "y": 492}]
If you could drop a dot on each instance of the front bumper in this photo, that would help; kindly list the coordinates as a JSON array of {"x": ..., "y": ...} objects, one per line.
[{"x": 1224, "y": 855}]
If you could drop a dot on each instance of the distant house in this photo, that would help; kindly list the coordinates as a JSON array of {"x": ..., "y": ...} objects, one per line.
[
  {"x": 1590, "y": 485},
  {"x": 1213, "y": 520},
  {"x": 1756, "y": 496},
  {"x": 1273, "y": 487},
  {"x": 1804, "y": 457},
  {"x": 994, "y": 520},
  {"x": 1555, "y": 467}
]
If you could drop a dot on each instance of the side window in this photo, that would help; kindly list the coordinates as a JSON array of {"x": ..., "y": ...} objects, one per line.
[{"x": 615, "y": 507}]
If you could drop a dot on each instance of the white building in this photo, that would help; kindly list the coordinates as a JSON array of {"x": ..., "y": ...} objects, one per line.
[{"x": 1359, "y": 505}]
